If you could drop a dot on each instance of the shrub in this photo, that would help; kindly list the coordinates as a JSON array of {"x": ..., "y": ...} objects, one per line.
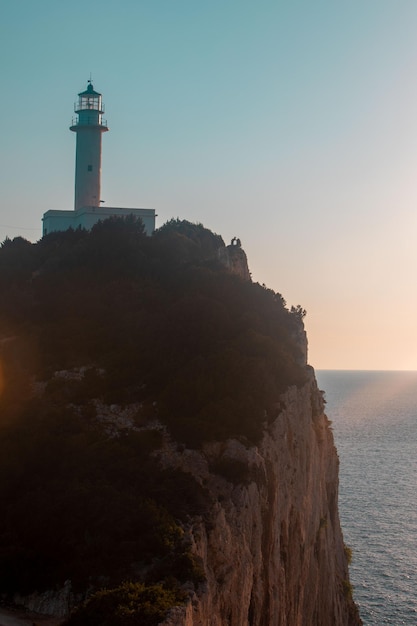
[
  {"x": 233, "y": 470},
  {"x": 348, "y": 553},
  {"x": 347, "y": 588},
  {"x": 130, "y": 604}
]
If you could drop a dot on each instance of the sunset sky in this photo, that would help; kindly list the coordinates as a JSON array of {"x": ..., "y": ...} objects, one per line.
[{"x": 291, "y": 125}]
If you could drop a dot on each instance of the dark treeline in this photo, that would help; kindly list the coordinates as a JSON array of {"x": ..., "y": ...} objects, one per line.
[{"x": 155, "y": 321}]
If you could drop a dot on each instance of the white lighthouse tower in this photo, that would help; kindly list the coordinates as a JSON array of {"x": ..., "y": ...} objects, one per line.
[
  {"x": 89, "y": 128},
  {"x": 88, "y": 210}
]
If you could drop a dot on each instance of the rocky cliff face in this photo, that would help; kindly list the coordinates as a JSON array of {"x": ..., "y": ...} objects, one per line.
[
  {"x": 272, "y": 548},
  {"x": 234, "y": 258}
]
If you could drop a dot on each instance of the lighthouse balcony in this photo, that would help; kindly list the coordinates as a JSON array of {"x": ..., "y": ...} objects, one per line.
[{"x": 89, "y": 120}]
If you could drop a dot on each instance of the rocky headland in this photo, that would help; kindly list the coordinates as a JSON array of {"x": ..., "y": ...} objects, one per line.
[{"x": 169, "y": 447}]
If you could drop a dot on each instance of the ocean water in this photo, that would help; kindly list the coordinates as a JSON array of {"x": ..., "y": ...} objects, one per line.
[{"x": 374, "y": 417}]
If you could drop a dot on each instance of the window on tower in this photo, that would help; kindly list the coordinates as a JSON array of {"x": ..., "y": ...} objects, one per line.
[{"x": 90, "y": 168}]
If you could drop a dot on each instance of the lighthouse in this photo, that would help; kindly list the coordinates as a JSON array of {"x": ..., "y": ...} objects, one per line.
[{"x": 89, "y": 127}]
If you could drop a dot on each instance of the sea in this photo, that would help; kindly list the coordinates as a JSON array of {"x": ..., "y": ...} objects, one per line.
[{"x": 374, "y": 422}]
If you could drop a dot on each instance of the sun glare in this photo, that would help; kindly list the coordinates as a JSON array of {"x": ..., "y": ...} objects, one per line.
[
  {"x": 1, "y": 379},
  {"x": 383, "y": 388}
]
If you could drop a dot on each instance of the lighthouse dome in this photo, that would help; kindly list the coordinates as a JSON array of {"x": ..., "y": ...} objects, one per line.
[{"x": 89, "y": 91}]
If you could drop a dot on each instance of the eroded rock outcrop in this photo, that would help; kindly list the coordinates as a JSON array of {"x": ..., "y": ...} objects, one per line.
[
  {"x": 271, "y": 548},
  {"x": 234, "y": 258}
]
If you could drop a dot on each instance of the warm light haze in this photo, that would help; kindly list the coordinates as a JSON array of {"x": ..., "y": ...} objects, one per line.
[{"x": 291, "y": 125}]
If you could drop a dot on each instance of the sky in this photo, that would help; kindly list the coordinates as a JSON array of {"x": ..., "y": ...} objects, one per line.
[{"x": 289, "y": 124}]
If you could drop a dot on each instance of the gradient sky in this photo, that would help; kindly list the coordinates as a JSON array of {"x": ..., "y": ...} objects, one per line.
[{"x": 291, "y": 125}]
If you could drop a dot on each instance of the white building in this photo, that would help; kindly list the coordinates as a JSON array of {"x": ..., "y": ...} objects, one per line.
[{"x": 88, "y": 210}]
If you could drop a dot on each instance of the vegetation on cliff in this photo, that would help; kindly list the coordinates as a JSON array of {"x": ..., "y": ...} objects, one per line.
[{"x": 120, "y": 318}]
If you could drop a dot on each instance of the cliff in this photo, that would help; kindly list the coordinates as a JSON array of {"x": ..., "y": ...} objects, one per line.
[
  {"x": 272, "y": 550},
  {"x": 172, "y": 436},
  {"x": 234, "y": 258}
]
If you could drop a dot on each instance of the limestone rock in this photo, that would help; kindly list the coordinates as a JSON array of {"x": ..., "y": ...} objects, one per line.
[
  {"x": 272, "y": 550},
  {"x": 235, "y": 260}
]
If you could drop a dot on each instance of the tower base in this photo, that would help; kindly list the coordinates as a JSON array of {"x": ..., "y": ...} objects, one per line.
[{"x": 86, "y": 217}]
